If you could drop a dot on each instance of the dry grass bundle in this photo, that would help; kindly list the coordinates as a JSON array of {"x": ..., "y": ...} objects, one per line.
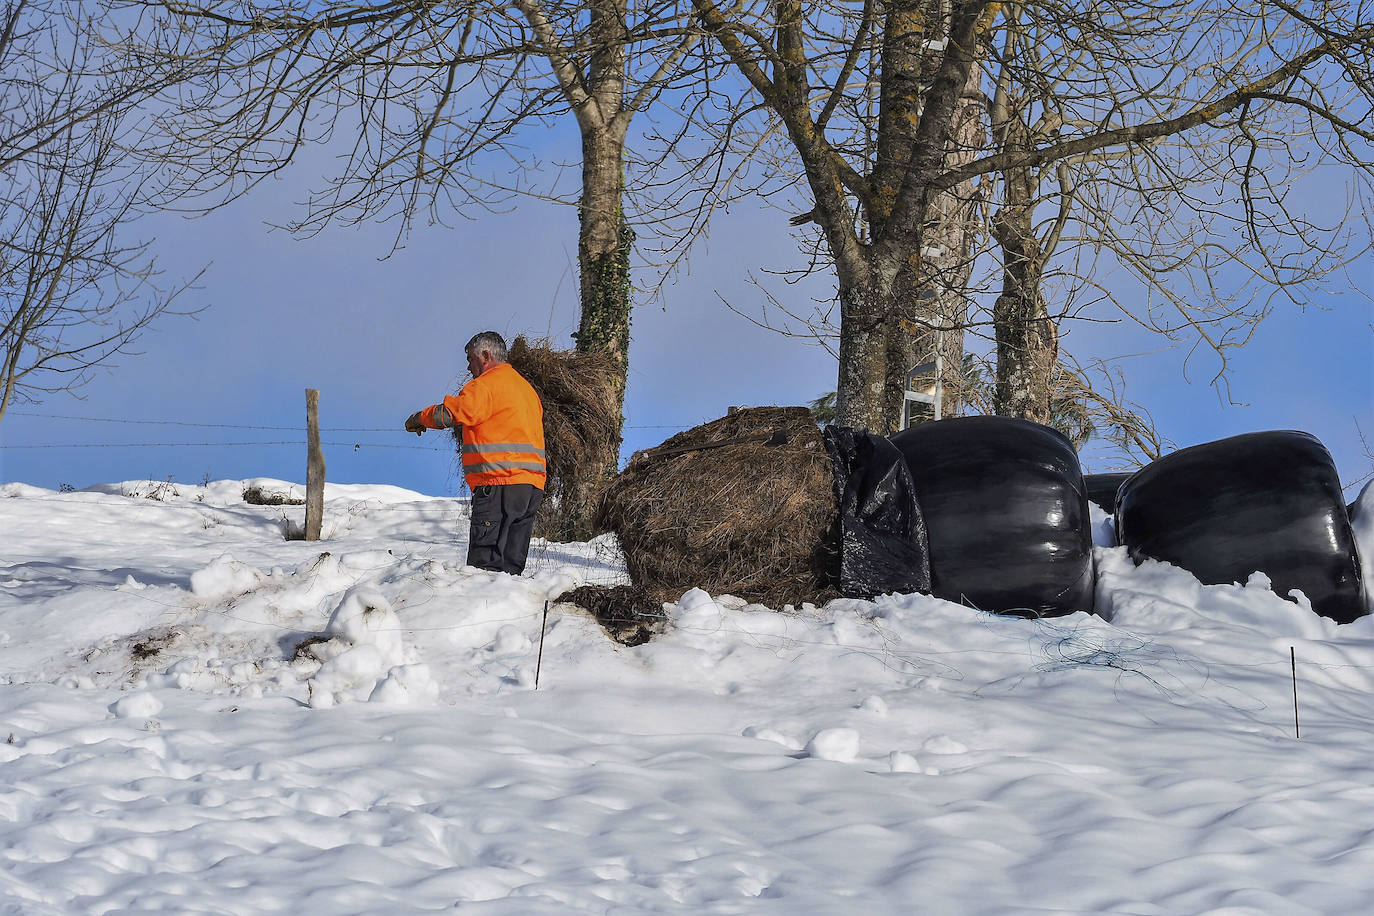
[
  {"x": 743, "y": 505},
  {"x": 581, "y": 422},
  {"x": 260, "y": 496}
]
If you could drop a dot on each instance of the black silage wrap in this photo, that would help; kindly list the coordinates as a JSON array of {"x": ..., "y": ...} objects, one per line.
[
  {"x": 1268, "y": 501},
  {"x": 880, "y": 531},
  {"x": 1006, "y": 514},
  {"x": 1102, "y": 488}
]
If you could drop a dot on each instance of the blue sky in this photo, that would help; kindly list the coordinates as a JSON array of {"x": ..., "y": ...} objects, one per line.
[{"x": 381, "y": 338}]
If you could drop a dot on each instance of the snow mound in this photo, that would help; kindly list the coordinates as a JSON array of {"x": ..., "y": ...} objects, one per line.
[
  {"x": 136, "y": 705},
  {"x": 364, "y": 647},
  {"x": 225, "y": 576},
  {"x": 840, "y": 744}
]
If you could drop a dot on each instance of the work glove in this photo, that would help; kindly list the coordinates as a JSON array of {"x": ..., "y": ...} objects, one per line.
[{"x": 413, "y": 424}]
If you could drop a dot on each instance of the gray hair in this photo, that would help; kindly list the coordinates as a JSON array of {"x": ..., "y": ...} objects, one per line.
[{"x": 492, "y": 342}]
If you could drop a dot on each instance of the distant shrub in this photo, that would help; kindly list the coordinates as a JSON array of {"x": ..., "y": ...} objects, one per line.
[
  {"x": 156, "y": 489},
  {"x": 258, "y": 496}
]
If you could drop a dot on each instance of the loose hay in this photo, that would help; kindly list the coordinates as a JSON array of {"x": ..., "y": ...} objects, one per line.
[
  {"x": 743, "y": 505},
  {"x": 581, "y": 420}
]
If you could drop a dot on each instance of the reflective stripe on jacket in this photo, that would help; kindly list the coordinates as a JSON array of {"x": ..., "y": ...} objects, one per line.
[{"x": 503, "y": 428}]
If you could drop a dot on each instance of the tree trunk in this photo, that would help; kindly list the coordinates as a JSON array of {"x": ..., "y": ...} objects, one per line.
[
  {"x": 1027, "y": 338},
  {"x": 926, "y": 307},
  {"x": 860, "y": 387},
  {"x": 594, "y": 87},
  {"x": 1027, "y": 343},
  {"x": 605, "y": 241},
  {"x": 934, "y": 310}
]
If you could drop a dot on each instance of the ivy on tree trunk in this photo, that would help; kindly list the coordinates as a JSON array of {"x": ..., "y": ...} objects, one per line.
[{"x": 605, "y": 241}]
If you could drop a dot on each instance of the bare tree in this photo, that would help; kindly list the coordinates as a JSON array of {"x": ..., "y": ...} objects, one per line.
[
  {"x": 73, "y": 293},
  {"x": 1027, "y": 338},
  {"x": 1152, "y": 104},
  {"x": 435, "y": 106},
  {"x": 868, "y": 99},
  {"x": 1205, "y": 219}
]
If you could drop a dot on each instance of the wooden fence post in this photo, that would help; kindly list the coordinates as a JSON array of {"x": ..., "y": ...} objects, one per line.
[{"x": 314, "y": 469}]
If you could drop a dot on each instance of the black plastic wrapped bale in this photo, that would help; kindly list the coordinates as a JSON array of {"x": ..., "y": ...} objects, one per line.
[
  {"x": 1268, "y": 502},
  {"x": 1102, "y": 488},
  {"x": 880, "y": 531},
  {"x": 1006, "y": 514}
]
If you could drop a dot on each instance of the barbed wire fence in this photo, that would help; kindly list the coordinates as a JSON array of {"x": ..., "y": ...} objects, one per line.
[
  {"x": 605, "y": 556},
  {"x": 356, "y": 445},
  {"x": 242, "y": 426}
]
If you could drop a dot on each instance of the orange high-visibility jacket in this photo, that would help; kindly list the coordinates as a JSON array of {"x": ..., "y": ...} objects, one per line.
[{"x": 503, "y": 428}]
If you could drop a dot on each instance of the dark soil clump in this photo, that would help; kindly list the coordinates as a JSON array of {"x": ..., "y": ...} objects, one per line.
[
  {"x": 153, "y": 644},
  {"x": 629, "y": 615}
]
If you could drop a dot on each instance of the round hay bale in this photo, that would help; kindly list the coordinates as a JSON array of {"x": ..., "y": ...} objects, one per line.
[{"x": 743, "y": 505}]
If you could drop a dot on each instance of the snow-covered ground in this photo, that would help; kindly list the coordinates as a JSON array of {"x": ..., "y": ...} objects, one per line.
[{"x": 198, "y": 716}]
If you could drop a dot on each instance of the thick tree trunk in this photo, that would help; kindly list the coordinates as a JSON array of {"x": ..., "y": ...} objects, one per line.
[
  {"x": 1027, "y": 347},
  {"x": 603, "y": 252},
  {"x": 1027, "y": 338},
  {"x": 925, "y": 309},
  {"x": 934, "y": 308},
  {"x": 594, "y": 88},
  {"x": 860, "y": 391},
  {"x": 890, "y": 314}
]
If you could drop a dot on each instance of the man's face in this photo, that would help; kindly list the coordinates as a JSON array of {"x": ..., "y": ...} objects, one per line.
[{"x": 474, "y": 363}]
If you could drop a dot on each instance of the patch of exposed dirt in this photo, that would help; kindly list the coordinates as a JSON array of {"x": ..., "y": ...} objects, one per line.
[
  {"x": 151, "y": 644},
  {"x": 628, "y": 614}
]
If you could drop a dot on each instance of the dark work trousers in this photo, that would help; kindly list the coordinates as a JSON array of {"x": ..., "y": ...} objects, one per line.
[{"x": 502, "y": 520}]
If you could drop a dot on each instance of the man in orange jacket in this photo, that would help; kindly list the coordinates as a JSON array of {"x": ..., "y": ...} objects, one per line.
[{"x": 503, "y": 453}]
